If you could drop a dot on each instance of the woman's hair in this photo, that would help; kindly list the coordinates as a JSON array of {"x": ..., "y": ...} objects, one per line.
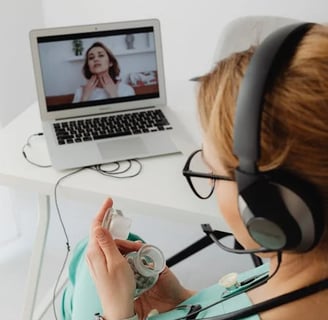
[
  {"x": 294, "y": 127},
  {"x": 114, "y": 70}
]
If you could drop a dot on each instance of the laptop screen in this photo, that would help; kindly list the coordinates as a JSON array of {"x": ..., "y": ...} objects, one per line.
[{"x": 93, "y": 68}]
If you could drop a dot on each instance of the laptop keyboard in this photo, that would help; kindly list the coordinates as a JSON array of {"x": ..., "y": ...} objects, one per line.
[{"x": 76, "y": 131}]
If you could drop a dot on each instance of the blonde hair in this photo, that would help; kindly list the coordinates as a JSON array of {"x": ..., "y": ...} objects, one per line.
[{"x": 294, "y": 132}]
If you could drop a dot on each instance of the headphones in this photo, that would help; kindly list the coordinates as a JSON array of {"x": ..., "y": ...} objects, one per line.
[{"x": 280, "y": 210}]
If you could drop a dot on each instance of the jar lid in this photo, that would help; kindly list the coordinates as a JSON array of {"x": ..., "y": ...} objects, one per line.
[{"x": 229, "y": 280}]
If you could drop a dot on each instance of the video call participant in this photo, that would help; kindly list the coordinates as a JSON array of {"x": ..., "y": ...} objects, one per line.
[{"x": 102, "y": 71}]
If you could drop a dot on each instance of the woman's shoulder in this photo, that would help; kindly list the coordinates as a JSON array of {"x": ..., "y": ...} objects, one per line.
[{"x": 125, "y": 90}]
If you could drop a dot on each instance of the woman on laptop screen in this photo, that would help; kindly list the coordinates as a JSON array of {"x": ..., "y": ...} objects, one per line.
[{"x": 102, "y": 71}]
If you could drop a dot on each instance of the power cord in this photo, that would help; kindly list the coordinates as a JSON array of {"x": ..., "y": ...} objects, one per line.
[
  {"x": 119, "y": 169},
  {"x": 29, "y": 145},
  {"x": 68, "y": 246}
]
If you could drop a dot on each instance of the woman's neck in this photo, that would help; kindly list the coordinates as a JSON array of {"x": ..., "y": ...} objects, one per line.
[{"x": 296, "y": 271}]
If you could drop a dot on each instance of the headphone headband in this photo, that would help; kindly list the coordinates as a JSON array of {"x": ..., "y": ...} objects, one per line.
[
  {"x": 280, "y": 211},
  {"x": 269, "y": 58}
]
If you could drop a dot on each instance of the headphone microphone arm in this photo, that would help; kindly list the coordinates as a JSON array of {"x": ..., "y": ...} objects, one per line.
[{"x": 216, "y": 235}]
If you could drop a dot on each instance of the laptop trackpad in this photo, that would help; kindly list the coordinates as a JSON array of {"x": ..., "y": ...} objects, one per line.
[{"x": 122, "y": 149}]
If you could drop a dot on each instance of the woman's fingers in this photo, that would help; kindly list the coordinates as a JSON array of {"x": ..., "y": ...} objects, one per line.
[
  {"x": 107, "y": 244},
  {"x": 126, "y": 246},
  {"x": 96, "y": 259},
  {"x": 105, "y": 78},
  {"x": 108, "y": 203},
  {"x": 94, "y": 250},
  {"x": 102, "y": 252}
]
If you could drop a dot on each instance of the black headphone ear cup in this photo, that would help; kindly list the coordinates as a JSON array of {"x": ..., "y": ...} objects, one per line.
[
  {"x": 265, "y": 232},
  {"x": 280, "y": 212},
  {"x": 264, "y": 213},
  {"x": 303, "y": 202}
]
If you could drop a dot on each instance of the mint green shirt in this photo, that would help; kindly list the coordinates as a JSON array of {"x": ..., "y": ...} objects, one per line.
[{"x": 80, "y": 300}]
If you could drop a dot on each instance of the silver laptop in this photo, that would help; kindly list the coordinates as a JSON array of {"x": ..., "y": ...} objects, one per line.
[{"x": 101, "y": 93}]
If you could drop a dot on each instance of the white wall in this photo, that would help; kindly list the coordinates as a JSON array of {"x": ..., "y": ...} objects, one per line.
[
  {"x": 17, "y": 88},
  {"x": 190, "y": 29}
]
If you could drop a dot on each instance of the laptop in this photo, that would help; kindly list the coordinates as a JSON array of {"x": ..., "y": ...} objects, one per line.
[{"x": 101, "y": 93}]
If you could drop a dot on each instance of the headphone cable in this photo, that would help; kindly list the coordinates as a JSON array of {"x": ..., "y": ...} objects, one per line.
[
  {"x": 257, "y": 284},
  {"x": 28, "y": 144},
  {"x": 274, "y": 302},
  {"x": 265, "y": 305}
]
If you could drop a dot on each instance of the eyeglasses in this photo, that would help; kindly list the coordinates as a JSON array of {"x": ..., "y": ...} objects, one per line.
[{"x": 200, "y": 181}]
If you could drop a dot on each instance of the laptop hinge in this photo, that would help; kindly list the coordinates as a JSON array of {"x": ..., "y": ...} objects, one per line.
[{"x": 103, "y": 113}]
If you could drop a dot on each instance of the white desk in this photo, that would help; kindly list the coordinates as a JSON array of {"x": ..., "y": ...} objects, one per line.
[{"x": 159, "y": 190}]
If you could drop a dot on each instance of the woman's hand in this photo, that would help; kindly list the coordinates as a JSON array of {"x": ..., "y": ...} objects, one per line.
[
  {"x": 114, "y": 278},
  {"x": 108, "y": 84},
  {"x": 165, "y": 295},
  {"x": 89, "y": 87},
  {"x": 111, "y": 273}
]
